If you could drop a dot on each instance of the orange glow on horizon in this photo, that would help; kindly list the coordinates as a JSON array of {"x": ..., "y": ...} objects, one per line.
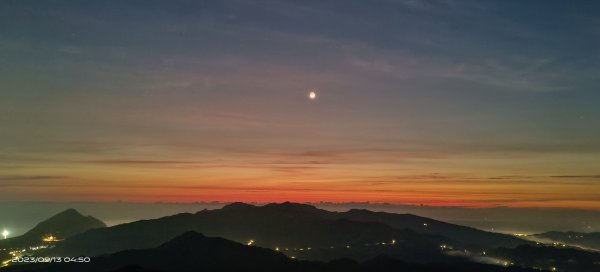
[
  {"x": 269, "y": 195},
  {"x": 314, "y": 177}
]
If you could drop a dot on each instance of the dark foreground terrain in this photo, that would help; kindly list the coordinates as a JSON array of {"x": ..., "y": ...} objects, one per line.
[
  {"x": 195, "y": 252},
  {"x": 288, "y": 237}
]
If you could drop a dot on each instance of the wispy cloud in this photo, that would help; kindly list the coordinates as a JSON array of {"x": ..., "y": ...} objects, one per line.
[
  {"x": 578, "y": 176},
  {"x": 32, "y": 178}
]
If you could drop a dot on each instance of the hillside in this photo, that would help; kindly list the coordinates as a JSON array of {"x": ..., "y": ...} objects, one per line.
[
  {"x": 586, "y": 240},
  {"x": 296, "y": 233},
  {"x": 466, "y": 235},
  {"x": 194, "y": 252},
  {"x": 471, "y": 237},
  {"x": 551, "y": 258},
  {"x": 61, "y": 226}
]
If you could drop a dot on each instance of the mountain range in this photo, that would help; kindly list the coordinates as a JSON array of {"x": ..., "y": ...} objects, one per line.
[
  {"x": 295, "y": 237},
  {"x": 293, "y": 229},
  {"x": 192, "y": 251}
]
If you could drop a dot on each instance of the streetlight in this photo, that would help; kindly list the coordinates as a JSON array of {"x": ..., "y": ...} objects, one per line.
[{"x": 5, "y": 233}]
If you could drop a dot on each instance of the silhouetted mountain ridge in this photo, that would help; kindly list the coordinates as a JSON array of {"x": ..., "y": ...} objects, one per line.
[
  {"x": 195, "y": 252},
  {"x": 62, "y": 225},
  {"x": 466, "y": 235},
  {"x": 287, "y": 226},
  {"x": 462, "y": 234}
]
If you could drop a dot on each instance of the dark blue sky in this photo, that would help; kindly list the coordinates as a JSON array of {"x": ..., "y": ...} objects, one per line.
[{"x": 206, "y": 93}]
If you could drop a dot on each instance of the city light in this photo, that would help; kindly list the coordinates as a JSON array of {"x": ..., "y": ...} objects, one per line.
[
  {"x": 250, "y": 242},
  {"x": 5, "y": 233},
  {"x": 49, "y": 239}
]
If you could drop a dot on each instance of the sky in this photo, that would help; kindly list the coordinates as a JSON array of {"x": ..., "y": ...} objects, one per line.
[{"x": 443, "y": 103}]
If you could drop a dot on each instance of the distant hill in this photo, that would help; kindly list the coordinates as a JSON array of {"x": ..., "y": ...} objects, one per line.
[
  {"x": 296, "y": 232},
  {"x": 547, "y": 257},
  {"x": 462, "y": 234},
  {"x": 62, "y": 225},
  {"x": 194, "y": 252},
  {"x": 466, "y": 235},
  {"x": 586, "y": 240}
]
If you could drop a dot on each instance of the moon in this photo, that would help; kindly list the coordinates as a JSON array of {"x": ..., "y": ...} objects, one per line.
[{"x": 312, "y": 95}]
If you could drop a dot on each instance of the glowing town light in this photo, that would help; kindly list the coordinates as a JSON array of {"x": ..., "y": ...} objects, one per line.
[
  {"x": 250, "y": 242},
  {"x": 49, "y": 239},
  {"x": 5, "y": 233}
]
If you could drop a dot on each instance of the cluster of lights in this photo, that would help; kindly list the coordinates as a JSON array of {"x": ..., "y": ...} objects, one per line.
[
  {"x": 50, "y": 238},
  {"x": 559, "y": 244},
  {"x": 505, "y": 263},
  {"x": 16, "y": 253},
  {"x": 38, "y": 247},
  {"x": 20, "y": 252},
  {"x": 446, "y": 247}
]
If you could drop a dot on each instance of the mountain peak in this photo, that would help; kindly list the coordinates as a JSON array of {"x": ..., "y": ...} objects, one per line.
[
  {"x": 66, "y": 223},
  {"x": 238, "y": 206},
  {"x": 290, "y": 206},
  {"x": 61, "y": 225},
  {"x": 68, "y": 213}
]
